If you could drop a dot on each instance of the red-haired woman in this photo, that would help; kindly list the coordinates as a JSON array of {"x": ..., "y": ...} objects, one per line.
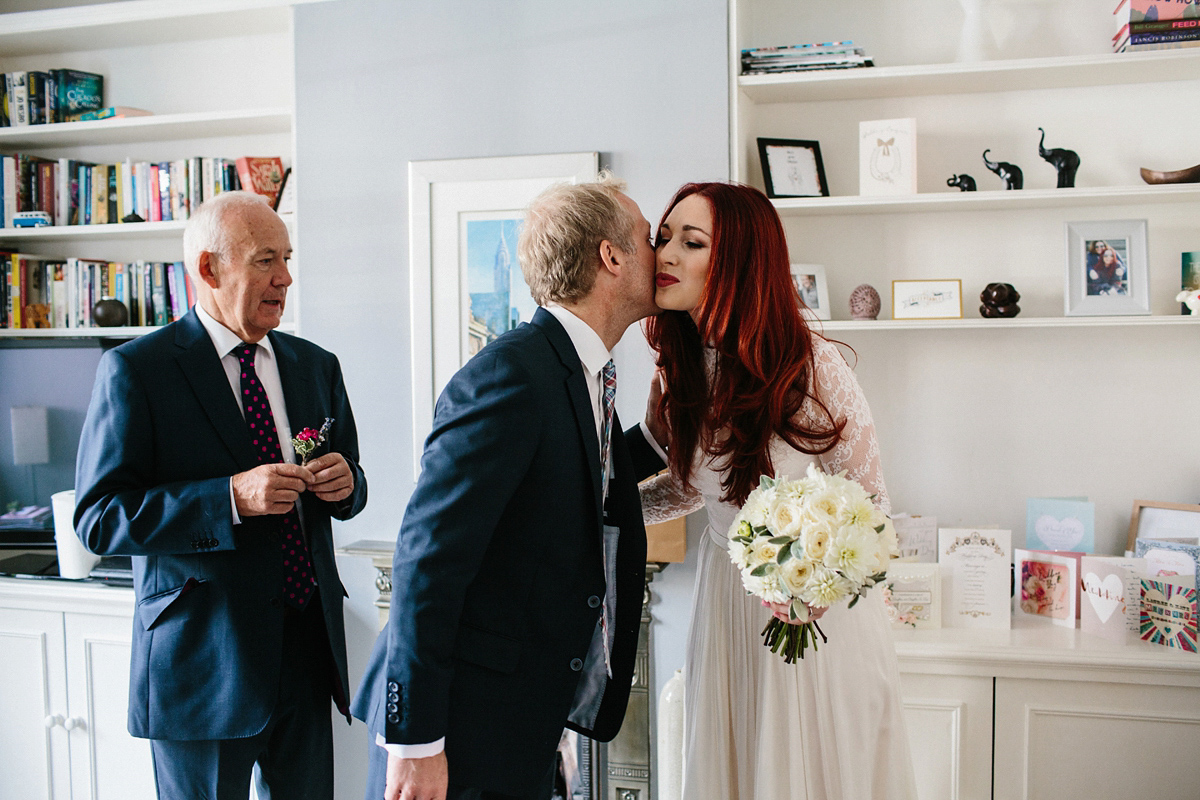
[{"x": 749, "y": 390}]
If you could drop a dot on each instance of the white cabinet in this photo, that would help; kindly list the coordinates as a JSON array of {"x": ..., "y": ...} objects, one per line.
[{"x": 64, "y": 655}]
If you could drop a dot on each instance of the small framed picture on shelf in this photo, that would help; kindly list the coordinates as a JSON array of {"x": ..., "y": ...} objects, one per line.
[
  {"x": 1189, "y": 282},
  {"x": 792, "y": 168},
  {"x": 810, "y": 283},
  {"x": 1165, "y": 521},
  {"x": 940, "y": 299},
  {"x": 1106, "y": 269}
]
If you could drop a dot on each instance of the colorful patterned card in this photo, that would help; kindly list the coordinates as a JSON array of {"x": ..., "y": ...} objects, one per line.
[
  {"x": 1110, "y": 597},
  {"x": 1168, "y": 614},
  {"x": 912, "y": 595},
  {"x": 1166, "y": 559},
  {"x": 1047, "y": 585}
]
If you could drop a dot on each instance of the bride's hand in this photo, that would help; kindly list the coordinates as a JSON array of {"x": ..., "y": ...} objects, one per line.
[
  {"x": 654, "y": 423},
  {"x": 782, "y": 612}
]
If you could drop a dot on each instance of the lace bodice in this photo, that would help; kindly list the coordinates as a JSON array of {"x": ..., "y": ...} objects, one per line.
[{"x": 665, "y": 498}]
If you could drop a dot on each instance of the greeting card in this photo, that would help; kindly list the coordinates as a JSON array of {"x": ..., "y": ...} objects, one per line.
[
  {"x": 1168, "y": 614},
  {"x": 1165, "y": 559},
  {"x": 1110, "y": 597},
  {"x": 976, "y": 573},
  {"x": 887, "y": 162},
  {"x": 1047, "y": 585},
  {"x": 1060, "y": 523},
  {"x": 917, "y": 536},
  {"x": 912, "y": 595}
]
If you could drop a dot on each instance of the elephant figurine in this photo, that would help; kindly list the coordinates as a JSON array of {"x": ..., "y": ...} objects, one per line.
[
  {"x": 964, "y": 182},
  {"x": 1065, "y": 161},
  {"x": 1009, "y": 173}
]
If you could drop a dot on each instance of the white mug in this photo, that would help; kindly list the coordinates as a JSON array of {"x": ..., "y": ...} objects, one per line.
[{"x": 74, "y": 560}]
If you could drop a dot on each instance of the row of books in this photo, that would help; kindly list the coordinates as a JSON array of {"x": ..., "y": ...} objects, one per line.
[
  {"x": 74, "y": 192},
  {"x": 57, "y": 95},
  {"x": 803, "y": 57},
  {"x": 39, "y": 292},
  {"x": 1155, "y": 25}
]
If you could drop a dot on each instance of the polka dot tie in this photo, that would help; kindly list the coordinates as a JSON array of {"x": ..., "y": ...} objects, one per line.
[{"x": 299, "y": 579}]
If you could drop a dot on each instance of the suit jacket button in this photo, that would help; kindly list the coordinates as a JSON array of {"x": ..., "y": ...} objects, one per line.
[
  {"x": 593, "y": 602},
  {"x": 392, "y": 708},
  {"x": 393, "y": 686},
  {"x": 393, "y": 718},
  {"x": 576, "y": 664}
]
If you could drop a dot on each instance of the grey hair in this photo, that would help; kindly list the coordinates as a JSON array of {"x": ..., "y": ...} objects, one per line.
[
  {"x": 206, "y": 230},
  {"x": 559, "y": 244}
]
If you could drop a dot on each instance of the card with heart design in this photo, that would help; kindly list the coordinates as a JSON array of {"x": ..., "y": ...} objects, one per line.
[
  {"x": 1060, "y": 523},
  {"x": 1110, "y": 597},
  {"x": 1168, "y": 614}
]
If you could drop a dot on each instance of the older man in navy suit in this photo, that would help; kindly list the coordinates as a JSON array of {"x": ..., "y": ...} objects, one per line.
[
  {"x": 186, "y": 463},
  {"x": 518, "y": 574}
]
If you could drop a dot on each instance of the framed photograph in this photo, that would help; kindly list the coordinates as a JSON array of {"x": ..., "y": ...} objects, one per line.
[
  {"x": 810, "y": 283},
  {"x": 941, "y": 299},
  {"x": 466, "y": 287},
  {"x": 792, "y": 168},
  {"x": 1106, "y": 269},
  {"x": 1163, "y": 521}
]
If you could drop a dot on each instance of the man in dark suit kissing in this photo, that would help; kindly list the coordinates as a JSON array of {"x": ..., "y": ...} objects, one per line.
[
  {"x": 518, "y": 573},
  {"x": 186, "y": 463}
]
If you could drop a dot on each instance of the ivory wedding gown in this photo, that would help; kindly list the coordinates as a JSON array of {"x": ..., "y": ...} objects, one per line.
[{"x": 828, "y": 727}]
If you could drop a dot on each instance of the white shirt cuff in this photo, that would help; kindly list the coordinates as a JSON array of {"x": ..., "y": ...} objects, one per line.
[
  {"x": 650, "y": 440},
  {"x": 233, "y": 503},
  {"x": 411, "y": 750}
]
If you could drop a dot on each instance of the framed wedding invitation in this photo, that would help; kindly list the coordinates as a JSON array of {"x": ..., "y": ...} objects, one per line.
[{"x": 976, "y": 568}]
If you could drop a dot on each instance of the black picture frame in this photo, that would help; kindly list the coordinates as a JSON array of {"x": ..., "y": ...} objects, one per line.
[{"x": 806, "y": 177}]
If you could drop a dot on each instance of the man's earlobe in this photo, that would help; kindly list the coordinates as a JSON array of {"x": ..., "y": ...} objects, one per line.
[
  {"x": 610, "y": 257},
  {"x": 205, "y": 268}
]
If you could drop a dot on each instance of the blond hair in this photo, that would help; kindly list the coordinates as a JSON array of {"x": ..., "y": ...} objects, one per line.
[{"x": 559, "y": 244}]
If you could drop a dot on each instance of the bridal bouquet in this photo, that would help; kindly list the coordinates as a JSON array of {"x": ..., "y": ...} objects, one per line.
[{"x": 809, "y": 542}]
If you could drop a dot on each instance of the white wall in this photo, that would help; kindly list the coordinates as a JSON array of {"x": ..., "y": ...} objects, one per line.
[{"x": 379, "y": 84}]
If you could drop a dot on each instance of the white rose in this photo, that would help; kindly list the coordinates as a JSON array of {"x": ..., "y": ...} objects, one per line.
[
  {"x": 816, "y": 540},
  {"x": 794, "y": 575},
  {"x": 785, "y": 517},
  {"x": 762, "y": 551}
]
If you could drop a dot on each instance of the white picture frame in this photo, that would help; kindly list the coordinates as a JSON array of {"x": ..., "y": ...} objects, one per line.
[
  {"x": 809, "y": 280},
  {"x": 1122, "y": 288},
  {"x": 444, "y": 197},
  {"x": 927, "y": 299}
]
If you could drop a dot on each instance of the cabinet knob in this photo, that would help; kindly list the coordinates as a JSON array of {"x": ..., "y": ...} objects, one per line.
[
  {"x": 71, "y": 723},
  {"x": 53, "y": 720}
]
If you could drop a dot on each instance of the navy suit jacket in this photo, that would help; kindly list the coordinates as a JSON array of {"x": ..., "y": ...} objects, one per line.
[
  {"x": 498, "y": 569},
  {"x": 162, "y": 438}
]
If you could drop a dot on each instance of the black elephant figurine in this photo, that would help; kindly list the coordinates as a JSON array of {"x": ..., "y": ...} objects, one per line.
[
  {"x": 1009, "y": 173},
  {"x": 964, "y": 182},
  {"x": 1065, "y": 161}
]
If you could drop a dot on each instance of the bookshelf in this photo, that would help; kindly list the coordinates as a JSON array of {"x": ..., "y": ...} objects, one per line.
[{"x": 239, "y": 103}]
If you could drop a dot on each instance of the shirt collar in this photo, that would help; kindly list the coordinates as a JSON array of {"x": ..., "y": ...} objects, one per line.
[
  {"x": 223, "y": 339},
  {"x": 588, "y": 344}
]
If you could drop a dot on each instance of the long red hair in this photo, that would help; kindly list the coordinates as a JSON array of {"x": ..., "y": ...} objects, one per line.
[{"x": 749, "y": 313}]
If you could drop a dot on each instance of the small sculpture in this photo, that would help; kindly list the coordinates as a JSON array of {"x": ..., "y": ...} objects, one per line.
[
  {"x": 109, "y": 312},
  {"x": 1009, "y": 173},
  {"x": 864, "y": 302},
  {"x": 964, "y": 182},
  {"x": 1191, "y": 175},
  {"x": 1065, "y": 161},
  {"x": 999, "y": 300}
]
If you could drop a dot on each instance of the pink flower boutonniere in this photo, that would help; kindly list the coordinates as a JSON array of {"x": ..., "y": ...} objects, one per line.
[{"x": 307, "y": 440}]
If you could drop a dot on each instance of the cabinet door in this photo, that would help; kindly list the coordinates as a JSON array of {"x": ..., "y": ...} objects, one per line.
[
  {"x": 1063, "y": 738},
  {"x": 106, "y": 762},
  {"x": 949, "y": 720},
  {"x": 34, "y": 760}
]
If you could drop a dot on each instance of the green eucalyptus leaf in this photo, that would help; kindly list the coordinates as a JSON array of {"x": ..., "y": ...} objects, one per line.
[{"x": 784, "y": 552}]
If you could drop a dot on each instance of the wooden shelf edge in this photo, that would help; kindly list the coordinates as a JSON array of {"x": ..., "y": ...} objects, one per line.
[
  {"x": 1012, "y": 322},
  {"x": 201, "y": 124},
  {"x": 119, "y": 230}
]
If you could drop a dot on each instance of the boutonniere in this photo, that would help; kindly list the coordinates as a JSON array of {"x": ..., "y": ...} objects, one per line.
[{"x": 308, "y": 440}]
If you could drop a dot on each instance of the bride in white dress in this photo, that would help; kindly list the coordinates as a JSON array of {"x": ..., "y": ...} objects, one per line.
[{"x": 830, "y": 726}]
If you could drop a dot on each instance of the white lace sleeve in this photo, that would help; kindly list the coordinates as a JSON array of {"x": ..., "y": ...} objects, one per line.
[
  {"x": 858, "y": 450},
  {"x": 664, "y": 498}
]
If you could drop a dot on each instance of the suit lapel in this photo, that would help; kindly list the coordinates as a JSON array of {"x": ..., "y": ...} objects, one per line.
[
  {"x": 581, "y": 404},
  {"x": 201, "y": 365},
  {"x": 302, "y": 410}
]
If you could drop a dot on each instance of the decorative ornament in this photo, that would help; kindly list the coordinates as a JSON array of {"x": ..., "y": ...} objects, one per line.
[
  {"x": 1190, "y": 175},
  {"x": 964, "y": 182},
  {"x": 1065, "y": 161},
  {"x": 864, "y": 302},
  {"x": 109, "y": 312},
  {"x": 1009, "y": 173},
  {"x": 999, "y": 300}
]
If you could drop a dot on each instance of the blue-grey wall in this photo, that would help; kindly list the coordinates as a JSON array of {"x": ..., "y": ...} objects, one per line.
[{"x": 380, "y": 83}]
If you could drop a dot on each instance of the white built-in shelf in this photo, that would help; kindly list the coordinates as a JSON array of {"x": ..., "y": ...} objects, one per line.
[
  {"x": 121, "y": 332},
  {"x": 159, "y": 127},
  {"x": 1016, "y": 199},
  {"x": 134, "y": 23},
  {"x": 121, "y": 230},
  {"x": 1012, "y": 322},
  {"x": 983, "y": 76}
]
